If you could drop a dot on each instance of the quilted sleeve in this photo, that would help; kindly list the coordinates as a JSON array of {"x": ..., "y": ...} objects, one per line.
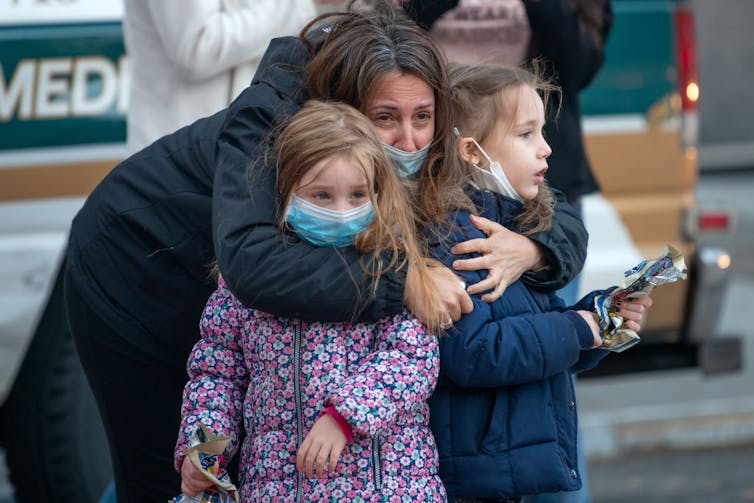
[
  {"x": 401, "y": 372},
  {"x": 218, "y": 378}
]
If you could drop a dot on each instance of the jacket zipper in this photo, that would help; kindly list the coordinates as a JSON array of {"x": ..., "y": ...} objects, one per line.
[
  {"x": 297, "y": 397},
  {"x": 377, "y": 463},
  {"x": 376, "y": 448}
]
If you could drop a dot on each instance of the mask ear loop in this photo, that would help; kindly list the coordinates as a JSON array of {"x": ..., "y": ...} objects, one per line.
[
  {"x": 476, "y": 144},
  {"x": 507, "y": 188},
  {"x": 489, "y": 159}
]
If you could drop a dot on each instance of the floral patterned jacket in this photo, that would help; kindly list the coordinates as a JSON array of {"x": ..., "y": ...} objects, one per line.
[{"x": 277, "y": 375}]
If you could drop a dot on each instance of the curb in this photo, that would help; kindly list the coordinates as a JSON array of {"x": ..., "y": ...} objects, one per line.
[{"x": 701, "y": 424}]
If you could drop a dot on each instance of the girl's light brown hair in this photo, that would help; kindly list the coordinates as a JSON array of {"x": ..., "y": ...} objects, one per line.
[
  {"x": 360, "y": 47},
  {"x": 328, "y": 130},
  {"x": 478, "y": 97}
]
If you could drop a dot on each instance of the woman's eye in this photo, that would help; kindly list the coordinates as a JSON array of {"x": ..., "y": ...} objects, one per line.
[
  {"x": 525, "y": 134},
  {"x": 321, "y": 196},
  {"x": 424, "y": 116},
  {"x": 359, "y": 195},
  {"x": 381, "y": 118}
]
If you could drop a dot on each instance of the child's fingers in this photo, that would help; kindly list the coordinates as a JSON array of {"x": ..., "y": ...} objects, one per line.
[
  {"x": 639, "y": 304},
  {"x": 302, "y": 453},
  {"x": 633, "y": 325},
  {"x": 321, "y": 461},
  {"x": 311, "y": 460},
  {"x": 335, "y": 456},
  {"x": 192, "y": 488},
  {"x": 644, "y": 301},
  {"x": 193, "y": 481},
  {"x": 308, "y": 455}
]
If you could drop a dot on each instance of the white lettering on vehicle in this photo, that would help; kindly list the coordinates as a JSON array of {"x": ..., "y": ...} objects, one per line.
[{"x": 57, "y": 88}]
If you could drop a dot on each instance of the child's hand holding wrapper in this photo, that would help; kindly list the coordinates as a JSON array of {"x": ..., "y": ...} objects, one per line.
[
  {"x": 639, "y": 282},
  {"x": 205, "y": 451}
]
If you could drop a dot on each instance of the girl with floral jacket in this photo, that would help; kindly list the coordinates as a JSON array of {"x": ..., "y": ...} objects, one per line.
[{"x": 330, "y": 411}]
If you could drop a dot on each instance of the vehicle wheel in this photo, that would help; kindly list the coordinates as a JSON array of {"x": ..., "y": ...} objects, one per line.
[{"x": 55, "y": 442}]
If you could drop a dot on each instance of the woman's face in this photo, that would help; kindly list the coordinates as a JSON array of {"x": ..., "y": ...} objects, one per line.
[{"x": 402, "y": 109}]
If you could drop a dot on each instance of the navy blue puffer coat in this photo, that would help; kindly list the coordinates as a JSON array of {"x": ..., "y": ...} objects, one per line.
[{"x": 504, "y": 410}]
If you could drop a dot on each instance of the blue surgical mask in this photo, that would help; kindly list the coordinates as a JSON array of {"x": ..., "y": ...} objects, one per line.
[
  {"x": 407, "y": 163},
  {"x": 325, "y": 227}
]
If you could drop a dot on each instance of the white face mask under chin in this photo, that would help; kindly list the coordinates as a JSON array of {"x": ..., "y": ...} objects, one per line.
[{"x": 493, "y": 179}]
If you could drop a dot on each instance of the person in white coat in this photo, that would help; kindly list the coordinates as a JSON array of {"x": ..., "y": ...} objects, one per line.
[{"x": 190, "y": 58}]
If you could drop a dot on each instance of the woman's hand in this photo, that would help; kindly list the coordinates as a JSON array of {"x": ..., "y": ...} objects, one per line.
[
  {"x": 193, "y": 481},
  {"x": 505, "y": 254},
  {"x": 632, "y": 310},
  {"x": 451, "y": 292},
  {"x": 592, "y": 319},
  {"x": 325, "y": 441}
]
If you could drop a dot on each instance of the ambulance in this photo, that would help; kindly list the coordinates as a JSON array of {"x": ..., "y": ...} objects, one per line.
[{"x": 63, "y": 96}]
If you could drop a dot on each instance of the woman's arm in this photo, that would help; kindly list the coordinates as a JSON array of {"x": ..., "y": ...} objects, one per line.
[
  {"x": 546, "y": 260},
  {"x": 218, "y": 379},
  {"x": 499, "y": 344},
  {"x": 400, "y": 373},
  {"x": 564, "y": 248},
  {"x": 265, "y": 268}
]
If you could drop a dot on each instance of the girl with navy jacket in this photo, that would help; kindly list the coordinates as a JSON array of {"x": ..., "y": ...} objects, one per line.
[{"x": 504, "y": 411}]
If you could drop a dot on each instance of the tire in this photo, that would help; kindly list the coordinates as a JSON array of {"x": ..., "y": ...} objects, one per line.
[{"x": 56, "y": 447}]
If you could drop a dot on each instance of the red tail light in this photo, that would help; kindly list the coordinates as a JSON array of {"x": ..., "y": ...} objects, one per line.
[
  {"x": 713, "y": 221},
  {"x": 688, "y": 75},
  {"x": 698, "y": 221}
]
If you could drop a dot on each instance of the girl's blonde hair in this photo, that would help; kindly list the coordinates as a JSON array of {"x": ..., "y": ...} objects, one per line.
[
  {"x": 325, "y": 130},
  {"x": 479, "y": 99}
]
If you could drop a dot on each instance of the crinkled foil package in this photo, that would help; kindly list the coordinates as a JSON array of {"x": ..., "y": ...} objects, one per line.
[
  {"x": 638, "y": 282},
  {"x": 205, "y": 451}
]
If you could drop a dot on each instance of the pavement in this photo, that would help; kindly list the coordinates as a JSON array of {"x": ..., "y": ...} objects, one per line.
[
  {"x": 709, "y": 475},
  {"x": 714, "y": 475}
]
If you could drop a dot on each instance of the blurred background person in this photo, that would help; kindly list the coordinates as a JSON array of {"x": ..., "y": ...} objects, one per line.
[
  {"x": 190, "y": 58},
  {"x": 568, "y": 37}
]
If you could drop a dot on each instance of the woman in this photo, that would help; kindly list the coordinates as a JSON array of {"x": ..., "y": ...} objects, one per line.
[{"x": 138, "y": 271}]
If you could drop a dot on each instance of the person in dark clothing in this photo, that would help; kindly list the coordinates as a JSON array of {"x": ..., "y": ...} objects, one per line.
[{"x": 141, "y": 248}]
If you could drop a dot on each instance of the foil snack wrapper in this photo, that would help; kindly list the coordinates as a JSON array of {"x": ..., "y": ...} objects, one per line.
[
  {"x": 205, "y": 451},
  {"x": 638, "y": 282}
]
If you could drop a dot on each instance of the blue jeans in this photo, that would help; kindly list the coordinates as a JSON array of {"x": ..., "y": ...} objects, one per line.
[{"x": 109, "y": 495}]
